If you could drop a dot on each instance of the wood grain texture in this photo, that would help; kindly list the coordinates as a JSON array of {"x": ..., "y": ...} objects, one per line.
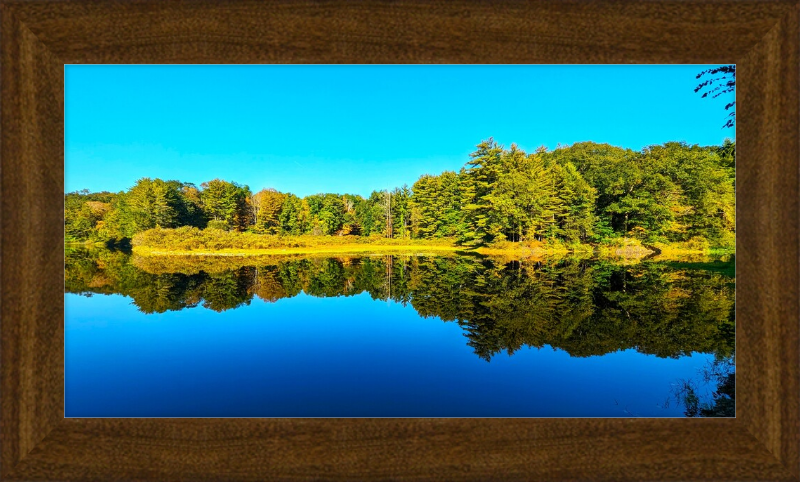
[
  {"x": 767, "y": 269},
  {"x": 32, "y": 306},
  {"x": 38, "y": 38}
]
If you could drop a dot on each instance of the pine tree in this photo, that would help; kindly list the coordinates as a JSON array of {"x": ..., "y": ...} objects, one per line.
[{"x": 482, "y": 223}]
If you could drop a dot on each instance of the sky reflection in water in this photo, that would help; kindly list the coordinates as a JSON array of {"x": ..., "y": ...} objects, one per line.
[{"x": 345, "y": 356}]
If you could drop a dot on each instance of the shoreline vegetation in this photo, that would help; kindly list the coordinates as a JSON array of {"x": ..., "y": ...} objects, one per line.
[
  {"x": 587, "y": 199},
  {"x": 189, "y": 241}
]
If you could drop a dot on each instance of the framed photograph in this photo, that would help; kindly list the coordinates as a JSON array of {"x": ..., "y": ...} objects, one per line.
[
  {"x": 449, "y": 241},
  {"x": 350, "y": 241}
]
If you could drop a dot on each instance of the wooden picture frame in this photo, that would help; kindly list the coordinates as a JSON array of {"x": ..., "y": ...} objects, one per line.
[{"x": 38, "y": 38}]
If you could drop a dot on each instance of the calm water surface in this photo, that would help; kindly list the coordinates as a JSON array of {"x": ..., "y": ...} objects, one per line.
[{"x": 395, "y": 336}]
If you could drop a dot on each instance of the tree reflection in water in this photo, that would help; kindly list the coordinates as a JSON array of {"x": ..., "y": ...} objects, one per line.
[
  {"x": 715, "y": 402},
  {"x": 585, "y": 307}
]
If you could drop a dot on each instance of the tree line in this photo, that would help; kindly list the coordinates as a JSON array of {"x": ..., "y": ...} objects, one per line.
[
  {"x": 585, "y": 308},
  {"x": 583, "y": 193}
]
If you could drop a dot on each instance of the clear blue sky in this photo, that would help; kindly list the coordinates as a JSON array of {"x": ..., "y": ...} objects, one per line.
[{"x": 328, "y": 128}]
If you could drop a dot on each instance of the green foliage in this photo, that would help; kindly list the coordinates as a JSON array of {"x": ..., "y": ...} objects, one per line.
[
  {"x": 373, "y": 213},
  {"x": 327, "y": 213},
  {"x": 294, "y": 215},
  {"x": 574, "y": 215},
  {"x": 228, "y": 202},
  {"x": 152, "y": 203},
  {"x": 587, "y": 192},
  {"x": 670, "y": 192},
  {"x": 190, "y": 211},
  {"x": 435, "y": 206},
  {"x": 480, "y": 175},
  {"x": 400, "y": 212},
  {"x": 84, "y": 214},
  {"x": 510, "y": 195}
]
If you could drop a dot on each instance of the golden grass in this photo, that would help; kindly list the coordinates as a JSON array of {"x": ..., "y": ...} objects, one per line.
[
  {"x": 630, "y": 251},
  {"x": 515, "y": 252},
  {"x": 325, "y": 249},
  {"x": 83, "y": 243},
  {"x": 521, "y": 251}
]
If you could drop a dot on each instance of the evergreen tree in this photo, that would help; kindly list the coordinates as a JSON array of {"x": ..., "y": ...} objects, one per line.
[
  {"x": 576, "y": 199},
  {"x": 479, "y": 178}
]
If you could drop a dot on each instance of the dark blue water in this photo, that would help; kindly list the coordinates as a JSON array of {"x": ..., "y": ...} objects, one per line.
[{"x": 338, "y": 356}]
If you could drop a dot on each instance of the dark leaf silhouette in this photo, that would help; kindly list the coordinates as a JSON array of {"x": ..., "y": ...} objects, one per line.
[{"x": 723, "y": 83}]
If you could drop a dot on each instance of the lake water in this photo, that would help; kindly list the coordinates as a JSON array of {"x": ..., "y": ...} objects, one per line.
[{"x": 389, "y": 336}]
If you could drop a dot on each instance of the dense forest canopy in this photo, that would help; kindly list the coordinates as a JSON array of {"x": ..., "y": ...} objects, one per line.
[{"x": 584, "y": 193}]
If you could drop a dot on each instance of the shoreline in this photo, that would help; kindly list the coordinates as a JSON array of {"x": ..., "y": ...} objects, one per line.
[
  {"x": 377, "y": 249},
  {"x": 331, "y": 249}
]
